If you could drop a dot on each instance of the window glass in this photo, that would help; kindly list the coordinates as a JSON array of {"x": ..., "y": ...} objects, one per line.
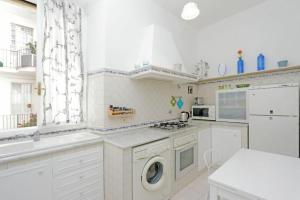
[{"x": 18, "y": 107}]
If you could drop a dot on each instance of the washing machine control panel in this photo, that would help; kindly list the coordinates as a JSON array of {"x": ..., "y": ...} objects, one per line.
[{"x": 183, "y": 140}]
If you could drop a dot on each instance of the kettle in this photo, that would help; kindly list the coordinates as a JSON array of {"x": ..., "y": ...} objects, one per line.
[{"x": 184, "y": 116}]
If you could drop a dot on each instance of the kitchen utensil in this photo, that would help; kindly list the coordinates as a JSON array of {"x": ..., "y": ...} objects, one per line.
[{"x": 184, "y": 116}]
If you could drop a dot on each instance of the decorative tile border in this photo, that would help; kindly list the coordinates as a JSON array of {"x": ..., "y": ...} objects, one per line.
[
  {"x": 109, "y": 71},
  {"x": 23, "y": 137},
  {"x": 67, "y": 131},
  {"x": 130, "y": 126}
]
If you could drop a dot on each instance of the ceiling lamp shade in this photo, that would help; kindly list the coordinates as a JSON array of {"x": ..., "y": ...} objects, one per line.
[{"x": 190, "y": 11}]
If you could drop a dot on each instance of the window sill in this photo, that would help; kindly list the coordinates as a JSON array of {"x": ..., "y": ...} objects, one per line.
[
  {"x": 18, "y": 131},
  {"x": 42, "y": 129}
]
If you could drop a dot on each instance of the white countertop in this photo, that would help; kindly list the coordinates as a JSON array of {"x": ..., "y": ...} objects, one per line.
[
  {"x": 123, "y": 139},
  {"x": 19, "y": 150},
  {"x": 139, "y": 136},
  {"x": 261, "y": 175}
]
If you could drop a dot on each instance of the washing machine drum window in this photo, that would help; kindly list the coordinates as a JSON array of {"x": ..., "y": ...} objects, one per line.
[{"x": 153, "y": 175}]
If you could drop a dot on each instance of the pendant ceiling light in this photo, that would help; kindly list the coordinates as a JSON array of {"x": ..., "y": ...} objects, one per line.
[{"x": 190, "y": 11}]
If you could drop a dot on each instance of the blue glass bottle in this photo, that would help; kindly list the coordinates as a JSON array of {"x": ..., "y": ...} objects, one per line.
[
  {"x": 260, "y": 62},
  {"x": 240, "y": 66}
]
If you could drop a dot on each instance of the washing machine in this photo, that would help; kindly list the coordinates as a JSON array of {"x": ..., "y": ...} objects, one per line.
[{"x": 152, "y": 171}]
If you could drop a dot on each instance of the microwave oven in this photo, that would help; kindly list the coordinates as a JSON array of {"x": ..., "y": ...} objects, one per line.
[{"x": 204, "y": 112}]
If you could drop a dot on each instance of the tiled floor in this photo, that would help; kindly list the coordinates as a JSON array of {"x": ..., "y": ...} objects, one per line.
[{"x": 197, "y": 190}]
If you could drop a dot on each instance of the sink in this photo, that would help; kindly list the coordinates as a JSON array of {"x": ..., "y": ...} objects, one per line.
[
  {"x": 16, "y": 147},
  {"x": 47, "y": 142}
]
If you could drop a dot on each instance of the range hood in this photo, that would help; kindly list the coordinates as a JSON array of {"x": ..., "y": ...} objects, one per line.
[
  {"x": 158, "y": 48},
  {"x": 163, "y": 74},
  {"x": 159, "y": 58}
]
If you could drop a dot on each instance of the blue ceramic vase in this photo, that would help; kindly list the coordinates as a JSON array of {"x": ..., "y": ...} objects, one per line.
[{"x": 240, "y": 66}]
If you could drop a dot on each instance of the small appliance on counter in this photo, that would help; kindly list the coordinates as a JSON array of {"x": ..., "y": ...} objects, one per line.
[
  {"x": 204, "y": 112},
  {"x": 198, "y": 101},
  {"x": 184, "y": 116}
]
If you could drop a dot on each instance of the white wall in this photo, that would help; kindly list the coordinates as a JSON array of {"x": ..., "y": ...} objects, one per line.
[
  {"x": 115, "y": 30},
  {"x": 271, "y": 28}
]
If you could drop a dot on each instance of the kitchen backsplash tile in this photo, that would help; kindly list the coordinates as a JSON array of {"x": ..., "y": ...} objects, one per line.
[{"x": 150, "y": 98}]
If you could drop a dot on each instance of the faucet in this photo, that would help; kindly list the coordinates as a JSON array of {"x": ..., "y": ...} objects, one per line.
[{"x": 36, "y": 136}]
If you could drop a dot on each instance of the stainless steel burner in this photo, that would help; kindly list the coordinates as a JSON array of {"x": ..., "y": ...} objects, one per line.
[{"x": 170, "y": 125}]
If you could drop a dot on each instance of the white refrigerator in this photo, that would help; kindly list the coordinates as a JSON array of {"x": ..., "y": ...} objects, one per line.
[{"x": 274, "y": 119}]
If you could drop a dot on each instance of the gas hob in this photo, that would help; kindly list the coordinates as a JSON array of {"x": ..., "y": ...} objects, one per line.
[{"x": 175, "y": 125}]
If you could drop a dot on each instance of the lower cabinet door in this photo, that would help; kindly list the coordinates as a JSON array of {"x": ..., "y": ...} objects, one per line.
[
  {"x": 204, "y": 145},
  {"x": 29, "y": 182},
  {"x": 226, "y": 142}
]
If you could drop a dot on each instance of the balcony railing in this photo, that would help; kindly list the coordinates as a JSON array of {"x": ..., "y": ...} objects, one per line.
[
  {"x": 9, "y": 58},
  {"x": 16, "y": 59},
  {"x": 17, "y": 121}
]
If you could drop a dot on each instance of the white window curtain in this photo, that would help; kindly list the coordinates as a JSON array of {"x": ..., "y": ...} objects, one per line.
[{"x": 62, "y": 63}]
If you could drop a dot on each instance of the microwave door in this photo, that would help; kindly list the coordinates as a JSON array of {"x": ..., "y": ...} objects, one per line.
[
  {"x": 205, "y": 112},
  {"x": 200, "y": 112}
]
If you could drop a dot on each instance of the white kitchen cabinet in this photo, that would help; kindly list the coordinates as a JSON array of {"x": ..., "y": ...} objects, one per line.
[
  {"x": 27, "y": 182},
  {"x": 232, "y": 105},
  {"x": 74, "y": 174},
  {"x": 226, "y": 141},
  {"x": 204, "y": 144},
  {"x": 78, "y": 174}
]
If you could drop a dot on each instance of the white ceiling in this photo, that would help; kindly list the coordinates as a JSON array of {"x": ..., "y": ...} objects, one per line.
[{"x": 211, "y": 11}]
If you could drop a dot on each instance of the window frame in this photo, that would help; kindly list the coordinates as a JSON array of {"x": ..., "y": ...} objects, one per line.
[{"x": 27, "y": 131}]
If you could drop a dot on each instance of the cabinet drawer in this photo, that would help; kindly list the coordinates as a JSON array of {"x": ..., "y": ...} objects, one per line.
[
  {"x": 71, "y": 180},
  {"x": 91, "y": 190},
  {"x": 70, "y": 162}
]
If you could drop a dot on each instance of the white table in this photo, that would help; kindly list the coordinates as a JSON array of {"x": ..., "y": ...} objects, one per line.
[{"x": 254, "y": 175}]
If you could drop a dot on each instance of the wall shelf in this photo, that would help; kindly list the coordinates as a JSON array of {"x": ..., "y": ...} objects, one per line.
[
  {"x": 251, "y": 74},
  {"x": 121, "y": 113}
]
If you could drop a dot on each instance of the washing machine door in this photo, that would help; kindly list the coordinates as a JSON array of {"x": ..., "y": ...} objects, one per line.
[{"x": 153, "y": 175}]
